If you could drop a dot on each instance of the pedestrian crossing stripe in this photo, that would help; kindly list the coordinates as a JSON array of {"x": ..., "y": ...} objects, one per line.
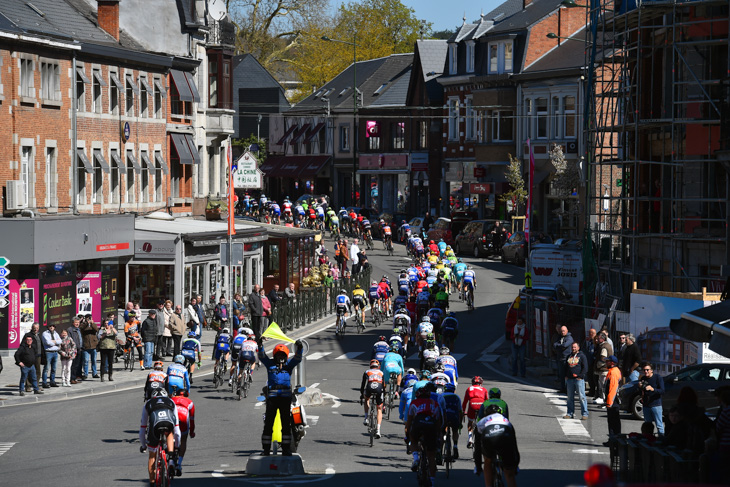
[
  {"x": 571, "y": 427},
  {"x": 317, "y": 355},
  {"x": 4, "y": 447},
  {"x": 349, "y": 355}
]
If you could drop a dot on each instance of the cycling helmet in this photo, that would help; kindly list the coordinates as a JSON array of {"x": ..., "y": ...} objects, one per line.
[
  {"x": 430, "y": 337},
  {"x": 493, "y": 409},
  {"x": 440, "y": 367},
  {"x": 131, "y": 314},
  {"x": 192, "y": 334},
  {"x": 225, "y": 330},
  {"x": 179, "y": 359},
  {"x": 374, "y": 363},
  {"x": 252, "y": 337},
  {"x": 425, "y": 374},
  {"x": 342, "y": 291},
  {"x": 452, "y": 314},
  {"x": 161, "y": 392},
  {"x": 426, "y": 319},
  {"x": 445, "y": 350},
  {"x": 431, "y": 242},
  {"x": 394, "y": 346},
  {"x": 410, "y": 382},
  {"x": 430, "y": 387},
  {"x": 381, "y": 338},
  {"x": 281, "y": 348},
  {"x": 357, "y": 286},
  {"x": 449, "y": 387},
  {"x": 152, "y": 387},
  {"x": 441, "y": 240},
  {"x": 495, "y": 393},
  {"x": 459, "y": 260},
  {"x": 477, "y": 380},
  {"x": 158, "y": 365},
  {"x": 241, "y": 330},
  {"x": 402, "y": 306}
]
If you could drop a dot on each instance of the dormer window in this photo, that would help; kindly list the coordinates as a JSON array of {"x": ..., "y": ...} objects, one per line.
[
  {"x": 469, "y": 56},
  {"x": 500, "y": 57},
  {"x": 452, "y": 58}
]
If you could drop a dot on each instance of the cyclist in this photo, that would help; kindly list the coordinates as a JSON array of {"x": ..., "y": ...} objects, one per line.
[
  {"x": 380, "y": 348},
  {"x": 246, "y": 203},
  {"x": 236, "y": 352},
  {"x": 441, "y": 298},
  {"x": 262, "y": 200},
  {"x": 433, "y": 249},
  {"x": 449, "y": 363},
  {"x": 424, "y": 328},
  {"x": 436, "y": 314},
  {"x": 469, "y": 280},
  {"x": 275, "y": 213},
  {"x": 343, "y": 305},
  {"x": 334, "y": 225},
  {"x": 387, "y": 234},
  {"x": 177, "y": 376},
  {"x": 405, "y": 231},
  {"x": 134, "y": 339},
  {"x": 186, "y": 419},
  {"x": 222, "y": 346},
  {"x": 449, "y": 329},
  {"x": 474, "y": 397},
  {"x": 300, "y": 213},
  {"x": 384, "y": 293},
  {"x": 402, "y": 321},
  {"x": 496, "y": 436},
  {"x": 191, "y": 350},
  {"x": 278, "y": 393},
  {"x": 459, "y": 270},
  {"x": 254, "y": 207},
  {"x": 247, "y": 355},
  {"x": 424, "y": 423},
  {"x": 406, "y": 396},
  {"x": 392, "y": 363},
  {"x": 373, "y": 298},
  {"x": 358, "y": 302},
  {"x": 372, "y": 383},
  {"x": 453, "y": 415},
  {"x": 439, "y": 378},
  {"x": 156, "y": 375},
  {"x": 287, "y": 207},
  {"x": 159, "y": 418},
  {"x": 430, "y": 353},
  {"x": 441, "y": 248},
  {"x": 445, "y": 276},
  {"x": 404, "y": 285},
  {"x": 495, "y": 398}
]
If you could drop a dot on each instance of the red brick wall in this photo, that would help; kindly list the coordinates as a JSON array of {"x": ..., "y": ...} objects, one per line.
[
  {"x": 564, "y": 22},
  {"x": 108, "y": 17}
]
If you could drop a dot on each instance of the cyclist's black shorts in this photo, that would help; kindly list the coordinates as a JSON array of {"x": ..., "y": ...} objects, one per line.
[
  {"x": 358, "y": 302},
  {"x": 374, "y": 388},
  {"x": 160, "y": 420},
  {"x": 449, "y": 333},
  {"x": 341, "y": 310},
  {"x": 503, "y": 443},
  {"x": 426, "y": 432},
  {"x": 246, "y": 357},
  {"x": 234, "y": 354}
]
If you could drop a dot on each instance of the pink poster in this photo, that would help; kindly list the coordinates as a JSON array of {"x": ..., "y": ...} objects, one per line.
[
  {"x": 23, "y": 309},
  {"x": 88, "y": 294}
]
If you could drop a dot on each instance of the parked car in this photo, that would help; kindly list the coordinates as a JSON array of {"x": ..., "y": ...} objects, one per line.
[
  {"x": 476, "y": 237},
  {"x": 459, "y": 219},
  {"x": 441, "y": 229},
  {"x": 516, "y": 248},
  {"x": 703, "y": 378},
  {"x": 416, "y": 225},
  {"x": 393, "y": 219}
]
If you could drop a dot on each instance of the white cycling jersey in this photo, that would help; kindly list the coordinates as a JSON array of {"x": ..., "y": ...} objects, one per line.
[{"x": 425, "y": 328}]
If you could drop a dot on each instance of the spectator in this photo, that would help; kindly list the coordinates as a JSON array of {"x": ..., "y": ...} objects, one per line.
[
  {"x": 604, "y": 329},
  {"x": 107, "y": 348},
  {"x": 177, "y": 328},
  {"x": 682, "y": 432},
  {"x": 290, "y": 292},
  {"x": 620, "y": 353},
  {"x": 600, "y": 367},
  {"x": 632, "y": 359},
  {"x": 562, "y": 349},
  {"x": 237, "y": 304},
  {"x": 274, "y": 296},
  {"x": 257, "y": 310},
  {"x": 613, "y": 379},
  {"x": 130, "y": 307},
  {"x": 167, "y": 312},
  {"x": 345, "y": 254},
  {"x": 192, "y": 313},
  {"x": 519, "y": 338},
  {"x": 427, "y": 222},
  {"x": 362, "y": 261},
  {"x": 220, "y": 315},
  {"x": 159, "y": 341},
  {"x": 149, "y": 337},
  {"x": 647, "y": 433},
  {"x": 67, "y": 351},
  {"x": 74, "y": 332},
  {"x": 335, "y": 272},
  {"x": 652, "y": 390},
  {"x": 354, "y": 251},
  {"x": 51, "y": 345},
  {"x": 25, "y": 358},
  {"x": 329, "y": 279},
  {"x": 38, "y": 352},
  {"x": 89, "y": 329},
  {"x": 576, "y": 366},
  {"x": 589, "y": 350},
  {"x": 266, "y": 305},
  {"x": 200, "y": 308}
]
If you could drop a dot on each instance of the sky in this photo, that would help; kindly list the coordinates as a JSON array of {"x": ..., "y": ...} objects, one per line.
[{"x": 449, "y": 14}]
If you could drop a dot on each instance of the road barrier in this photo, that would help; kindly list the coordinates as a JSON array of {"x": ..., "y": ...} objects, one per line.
[{"x": 634, "y": 460}]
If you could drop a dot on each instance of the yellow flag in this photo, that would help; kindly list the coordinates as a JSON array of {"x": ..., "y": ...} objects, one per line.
[
  {"x": 276, "y": 433},
  {"x": 273, "y": 331}
]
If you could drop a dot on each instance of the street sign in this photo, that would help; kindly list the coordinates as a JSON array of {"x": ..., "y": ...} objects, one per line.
[
  {"x": 4, "y": 283},
  {"x": 247, "y": 175},
  {"x": 4, "y": 272},
  {"x": 4, "y": 292},
  {"x": 4, "y": 303},
  {"x": 4, "y": 261},
  {"x": 528, "y": 280}
]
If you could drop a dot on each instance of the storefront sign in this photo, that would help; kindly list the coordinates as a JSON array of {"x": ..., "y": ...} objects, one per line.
[
  {"x": 114, "y": 246},
  {"x": 154, "y": 249},
  {"x": 236, "y": 256},
  {"x": 126, "y": 131},
  {"x": 480, "y": 172},
  {"x": 247, "y": 175},
  {"x": 88, "y": 295},
  {"x": 58, "y": 301},
  {"x": 419, "y": 161},
  {"x": 207, "y": 243},
  {"x": 109, "y": 288},
  {"x": 384, "y": 161},
  {"x": 480, "y": 188}
]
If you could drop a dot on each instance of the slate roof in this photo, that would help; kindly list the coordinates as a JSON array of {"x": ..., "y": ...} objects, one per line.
[
  {"x": 7, "y": 26},
  {"x": 463, "y": 32},
  {"x": 525, "y": 17},
  {"x": 251, "y": 74},
  {"x": 432, "y": 53},
  {"x": 569, "y": 54},
  {"x": 504, "y": 11},
  {"x": 396, "y": 92}
]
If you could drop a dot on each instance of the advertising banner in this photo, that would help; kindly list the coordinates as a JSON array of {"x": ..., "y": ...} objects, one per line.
[
  {"x": 23, "y": 309},
  {"x": 88, "y": 295},
  {"x": 109, "y": 288},
  {"x": 58, "y": 301}
]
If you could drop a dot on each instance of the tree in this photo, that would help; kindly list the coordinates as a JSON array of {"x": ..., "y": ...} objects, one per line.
[
  {"x": 244, "y": 144},
  {"x": 518, "y": 194},
  {"x": 567, "y": 173},
  {"x": 443, "y": 34}
]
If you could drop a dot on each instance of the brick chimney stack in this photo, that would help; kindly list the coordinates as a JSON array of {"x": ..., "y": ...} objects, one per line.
[
  {"x": 108, "y": 16},
  {"x": 525, "y": 3}
]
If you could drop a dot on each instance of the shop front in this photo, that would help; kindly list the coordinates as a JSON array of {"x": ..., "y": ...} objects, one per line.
[
  {"x": 59, "y": 267},
  {"x": 294, "y": 176},
  {"x": 386, "y": 181}
]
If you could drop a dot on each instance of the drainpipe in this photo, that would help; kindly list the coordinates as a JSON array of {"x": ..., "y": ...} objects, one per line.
[{"x": 74, "y": 140}]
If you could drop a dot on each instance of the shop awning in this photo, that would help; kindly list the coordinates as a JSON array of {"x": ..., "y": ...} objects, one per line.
[
  {"x": 99, "y": 79},
  {"x": 117, "y": 82},
  {"x": 710, "y": 324},
  {"x": 82, "y": 75},
  {"x": 162, "y": 89},
  {"x": 193, "y": 88},
  {"x": 299, "y": 133},
  {"x": 185, "y": 147},
  {"x": 145, "y": 85},
  {"x": 314, "y": 166},
  {"x": 271, "y": 164},
  {"x": 88, "y": 166},
  {"x": 286, "y": 135},
  {"x": 133, "y": 162},
  {"x": 147, "y": 162},
  {"x": 99, "y": 157},
  {"x": 312, "y": 133},
  {"x": 285, "y": 166},
  {"x": 162, "y": 163}
]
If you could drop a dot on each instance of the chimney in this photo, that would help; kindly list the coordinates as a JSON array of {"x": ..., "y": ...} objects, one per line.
[
  {"x": 525, "y": 3},
  {"x": 108, "y": 16}
]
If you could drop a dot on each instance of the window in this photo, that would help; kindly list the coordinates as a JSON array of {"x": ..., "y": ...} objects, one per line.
[
  {"x": 469, "y": 56},
  {"x": 502, "y": 126},
  {"x": 160, "y": 95},
  {"x": 213, "y": 83},
  {"x": 145, "y": 191},
  {"x": 97, "y": 180},
  {"x": 344, "y": 138},
  {"x": 27, "y": 86},
  {"x": 423, "y": 134},
  {"x": 372, "y": 133},
  {"x": 96, "y": 85},
  {"x": 453, "y": 50},
  {"x": 555, "y": 121},
  {"x": 81, "y": 178},
  {"x": 157, "y": 195},
  {"x": 470, "y": 119},
  {"x": 115, "y": 177},
  {"x": 220, "y": 94},
  {"x": 569, "y": 130},
  {"x": 51, "y": 178},
  {"x": 131, "y": 89},
  {"x": 130, "y": 195},
  {"x": 80, "y": 90},
  {"x": 115, "y": 88},
  {"x": 144, "y": 91},
  {"x": 500, "y": 57},
  {"x": 398, "y": 135},
  {"x": 50, "y": 81},
  {"x": 26, "y": 172},
  {"x": 374, "y": 142},
  {"x": 541, "y": 106},
  {"x": 453, "y": 118},
  {"x": 527, "y": 118}
]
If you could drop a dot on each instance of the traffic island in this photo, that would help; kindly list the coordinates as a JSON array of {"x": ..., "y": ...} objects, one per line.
[{"x": 275, "y": 465}]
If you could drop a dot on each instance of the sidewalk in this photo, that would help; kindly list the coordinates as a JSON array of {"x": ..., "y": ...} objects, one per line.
[{"x": 123, "y": 379}]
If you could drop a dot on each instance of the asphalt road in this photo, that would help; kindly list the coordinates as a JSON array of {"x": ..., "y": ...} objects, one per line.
[{"x": 93, "y": 441}]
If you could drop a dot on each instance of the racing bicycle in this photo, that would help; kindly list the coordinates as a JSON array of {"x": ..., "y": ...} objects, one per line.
[
  {"x": 448, "y": 452},
  {"x": 390, "y": 396},
  {"x": 358, "y": 321},
  {"x": 219, "y": 372},
  {"x": 422, "y": 470},
  {"x": 341, "y": 325},
  {"x": 497, "y": 479},
  {"x": 164, "y": 466},
  {"x": 372, "y": 418}
]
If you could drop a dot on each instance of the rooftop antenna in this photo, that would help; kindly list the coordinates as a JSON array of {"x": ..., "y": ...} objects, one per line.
[{"x": 464, "y": 18}]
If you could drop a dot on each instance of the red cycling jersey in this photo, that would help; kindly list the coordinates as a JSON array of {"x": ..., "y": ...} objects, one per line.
[
  {"x": 185, "y": 414},
  {"x": 383, "y": 289},
  {"x": 473, "y": 400}
]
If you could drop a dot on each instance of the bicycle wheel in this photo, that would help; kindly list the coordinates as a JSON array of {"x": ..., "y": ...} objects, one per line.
[
  {"x": 497, "y": 480},
  {"x": 424, "y": 479},
  {"x": 161, "y": 477},
  {"x": 246, "y": 380},
  {"x": 448, "y": 453},
  {"x": 372, "y": 420}
]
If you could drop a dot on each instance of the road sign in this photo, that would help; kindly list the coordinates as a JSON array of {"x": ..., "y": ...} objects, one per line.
[
  {"x": 4, "y": 261},
  {"x": 4, "y": 292},
  {"x": 528, "y": 280},
  {"x": 4, "y": 282},
  {"x": 4, "y": 272},
  {"x": 4, "y": 303}
]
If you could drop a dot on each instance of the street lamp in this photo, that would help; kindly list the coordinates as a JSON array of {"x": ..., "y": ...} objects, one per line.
[
  {"x": 572, "y": 4},
  {"x": 354, "y": 110}
]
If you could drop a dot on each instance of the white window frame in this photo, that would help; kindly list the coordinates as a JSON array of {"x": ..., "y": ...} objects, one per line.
[
  {"x": 423, "y": 134},
  {"x": 128, "y": 97},
  {"x": 470, "y": 49},
  {"x": 50, "y": 80},
  {"x": 453, "y": 117},
  {"x": 157, "y": 99},
  {"x": 115, "y": 176},
  {"x": 97, "y": 179},
  {"x": 130, "y": 192},
  {"x": 80, "y": 90},
  {"x": 26, "y": 172},
  {"x": 453, "y": 58},
  {"x": 144, "y": 178},
  {"x": 81, "y": 178},
  {"x": 144, "y": 102},
  {"x": 566, "y": 113},
  {"x": 504, "y": 64},
  {"x": 97, "y": 97},
  {"x": 498, "y": 118},
  {"x": 51, "y": 175},
  {"x": 398, "y": 138},
  {"x": 542, "y": 115},
  {"x": 27, "y": 75},
  {"x": 114, "y": 95},
  {"x": 470, "y": 125},
  {"x": 157, "y": 193},
  {"x": 344, "y": 138}
]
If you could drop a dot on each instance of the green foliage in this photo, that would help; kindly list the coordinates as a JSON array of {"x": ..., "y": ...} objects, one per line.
[
  {"x": 244, "y": 144},
  {"x": 442, "y": 34},
  {"x": 518, "y": 193}
]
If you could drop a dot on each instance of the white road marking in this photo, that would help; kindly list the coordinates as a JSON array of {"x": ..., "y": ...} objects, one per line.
[
  {"x": 488, "y": 358},
  {"x": 312, "y": 420},
  {"x": 590, "y": 452},
  {"x": 335, "y": 399},
  {"x": 571, "y": 427},
  {"x": 494, "y": 346},
  {"x": 559, "y": 400},
  {"x": 259, "y": 404},
  {"x": 349, "y": 355},
  {"x": 317, "y": 355},
  {"x": 4, "y": 447},
  {"x": 458, "y": 356},
  {"x": 314, "y": 386},
  {"x": 413, "y": 357},
  {"x": 239, "y": 476}
]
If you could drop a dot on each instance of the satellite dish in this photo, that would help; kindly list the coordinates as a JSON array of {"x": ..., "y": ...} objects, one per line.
[{"x": 217, "y": 9}]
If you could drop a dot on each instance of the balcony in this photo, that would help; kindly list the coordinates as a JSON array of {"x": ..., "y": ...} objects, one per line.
[
  {"x": 222, "y": 33},
  {"x": 219, "y": 121}
]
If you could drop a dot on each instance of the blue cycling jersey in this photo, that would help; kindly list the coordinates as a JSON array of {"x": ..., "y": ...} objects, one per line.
[
  {"x": 224, "y": 342},
  {"x": 373, "y": 292},
  {"x": 178, "y": 378},
  {"x": 238, "y": 342}
]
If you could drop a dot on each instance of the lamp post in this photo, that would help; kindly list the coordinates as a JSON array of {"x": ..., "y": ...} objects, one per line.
[{"x": 354, "y": 111}]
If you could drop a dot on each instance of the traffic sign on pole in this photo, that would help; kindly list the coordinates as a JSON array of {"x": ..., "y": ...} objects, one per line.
[
  {"x": 4, "y": 292},
  {"x": 4, "y": 303},
  {"x": 4, "y": 261},
  {"x": 4, "y": 272},
  {"x": 4, "y": 282}
]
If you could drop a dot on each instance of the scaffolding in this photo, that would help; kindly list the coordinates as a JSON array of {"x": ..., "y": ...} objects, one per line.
[{"x": 658, "y": 143}]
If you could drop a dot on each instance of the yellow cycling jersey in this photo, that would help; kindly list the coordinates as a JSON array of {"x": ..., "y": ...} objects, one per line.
[
  {"x": 440, "y": 265},
  {"x": 433, "y": 259},
  {"x": 449, "y": 253},
  {"x": 358, "y": 292}
]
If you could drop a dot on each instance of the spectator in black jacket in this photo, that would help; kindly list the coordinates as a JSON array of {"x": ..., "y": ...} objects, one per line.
[
  {"x": 25, "y": 358},
  {"x": 148, "y": 330},
  {"x": 256, "y": 308},
  {"x": 652, "y": 390},
  {"x": 631, "y": 359},
  {"x": 274, "y": 296},
  {"x": 576, "y": 366},
  {"x": 38, "y": 349},
  {"x": 74, "y": 332},
  {"x": 561, "y": 346}
]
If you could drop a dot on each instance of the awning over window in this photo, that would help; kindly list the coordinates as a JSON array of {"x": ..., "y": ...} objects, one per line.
[
  {"x": 314, "y": 166},
  {"x": 130, "y": 81},
  {"x": 299, "y": 134},
  {"x": 99, "y": 79},
  {"x": 147, "y": 162},
  {"x": 193, "y": 88},
  {"x": 82, "y": 75},
  {"x": 133, "y": 162},
  {"x": 710, "y": 325},
  {"x": 145, "y": 85},
  {"x": 162, "y": 89},
  {"x": 313, "y": 132},
  {"x": 99, "y": 157},
  {"x": 286, "y": 135},
  {"x": 271, "y": 165},
  {"x": 161, "y": 162},
  {"x": 295, "y": 167},
  {"x": 181, "y": 84},
  {"x": 116, "y": 81},
  {"x": 185, "y": 147},
  {"x": 88, "y": 166},
  {"x": 117, "y": 160}
]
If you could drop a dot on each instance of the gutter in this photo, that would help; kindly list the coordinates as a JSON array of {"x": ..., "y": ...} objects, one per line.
[
  {"x": 74, "y": 141},
  {"x": 39, "y": 40}
]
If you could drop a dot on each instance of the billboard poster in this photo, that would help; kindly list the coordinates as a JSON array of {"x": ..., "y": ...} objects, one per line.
[
  {"x": 88, "y": 294},
  {"x": 667, "y": 351},
  {"x": 23, "y": 309},
  {"x": 109, "y": 288},
  {"x": 57, "y": 301}
]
